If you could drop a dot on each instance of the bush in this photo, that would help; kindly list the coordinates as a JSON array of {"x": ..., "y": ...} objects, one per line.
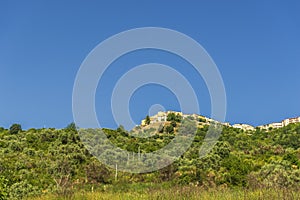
[
  {"x": 169, "y": 129},
  {"x": 22, "y": 189},
  {"x": 3, "y": 188},
  {"x": 277, "y": 175},
  {"x": 173, "y": 117}
]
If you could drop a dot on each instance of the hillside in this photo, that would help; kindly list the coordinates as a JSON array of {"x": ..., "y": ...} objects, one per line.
[{"x": 41, "y": 161}]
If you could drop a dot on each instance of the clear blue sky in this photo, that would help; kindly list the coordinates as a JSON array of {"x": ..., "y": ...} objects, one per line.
[{"x": 255, "y": 44}]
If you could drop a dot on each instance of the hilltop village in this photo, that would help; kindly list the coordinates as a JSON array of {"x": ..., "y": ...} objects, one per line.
[{"x": 162, "y": 117}]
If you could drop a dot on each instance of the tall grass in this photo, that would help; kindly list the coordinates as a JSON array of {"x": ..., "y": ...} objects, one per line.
[{"x": 179, "y": 193}]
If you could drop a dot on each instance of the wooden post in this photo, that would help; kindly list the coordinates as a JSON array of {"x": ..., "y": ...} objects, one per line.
[
  {"x": 116, "y": 175},
  {"x": 139, "y": 154}
]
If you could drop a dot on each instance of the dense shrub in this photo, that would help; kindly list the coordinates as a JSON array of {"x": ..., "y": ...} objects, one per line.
[{"x": 50, "y": 160}]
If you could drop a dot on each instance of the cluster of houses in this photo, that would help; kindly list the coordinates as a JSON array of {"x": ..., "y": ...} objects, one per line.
[
  {"x": 245, "y": 127},
  {"x": 162, "y": 117},
  {"x": 281, "y": 124}
]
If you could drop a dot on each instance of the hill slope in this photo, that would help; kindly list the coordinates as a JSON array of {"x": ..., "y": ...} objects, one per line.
[{"x": 38, "y": 161}]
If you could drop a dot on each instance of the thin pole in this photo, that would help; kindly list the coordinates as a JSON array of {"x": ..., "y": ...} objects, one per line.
[{"x": 116, "y": 175}]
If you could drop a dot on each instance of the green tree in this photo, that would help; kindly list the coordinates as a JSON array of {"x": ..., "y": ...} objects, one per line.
[
  {"x": 147, "y": 120},
  {"x": 237, "y": 170},
  {"x": 178, "y": 118},
  {"x": 97, "y": 172},
  {"x": 1, "y": 129},
  {"x": 169, "y": 129},
  {"x": 121, "y": 129},
  {"x": 15, "y": 128},
  {"x": 173, "y": 123},
  {"x": 71, "y": 126},
  {"x": 171, "y": 117}
]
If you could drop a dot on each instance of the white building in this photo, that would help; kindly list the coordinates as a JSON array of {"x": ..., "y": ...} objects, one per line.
[
  {"x": 284, "y": 123},
  {"x": 276, "y": 125},
  {"x": 226, "y": 124},
  {"x": 245, "y": 127},
  {"x": 291, "y": 121},
  {"x": 273, "y": 125}
]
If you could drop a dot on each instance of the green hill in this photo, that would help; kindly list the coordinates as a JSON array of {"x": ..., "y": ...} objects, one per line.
[{"x": 41, "y": 161}]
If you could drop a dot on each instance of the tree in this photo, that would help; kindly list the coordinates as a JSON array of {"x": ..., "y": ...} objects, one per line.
[
  {"x": 15, "y": 128},
  {"x": 178, "y": 118},
  {"x": 237, "y": 170},
  {"x": 147, "y": 120},
  {"x": 71, "y": 126},
  {"x": 121, "y": 129},
  {"x": 171, "y": 117},
  {"x": 173, "y": 123},
  {"x": 97, "y": 172},
  {"x": 169, "y": 129},
  {"x": 168, "y": 172},
  {"x": 62, "y": 171}
]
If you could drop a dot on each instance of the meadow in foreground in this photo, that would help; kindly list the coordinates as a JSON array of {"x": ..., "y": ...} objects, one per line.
[{"x": 188, "y": 193}]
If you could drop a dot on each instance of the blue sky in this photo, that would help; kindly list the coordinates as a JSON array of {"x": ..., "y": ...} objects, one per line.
[{"x": 255, "y": 45}]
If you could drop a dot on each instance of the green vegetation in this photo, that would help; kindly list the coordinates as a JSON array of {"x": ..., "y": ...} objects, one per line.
[
  {"x": 201, "y": 119},
  {"x": 169, "y": 129},
  {"x": 147, "y": 120},
  {"x": 15, "y": 128},
  {"x": 173, "y": 117},
  {"x": 182, "y": 192},
  {"x": 52, "y": 164}
]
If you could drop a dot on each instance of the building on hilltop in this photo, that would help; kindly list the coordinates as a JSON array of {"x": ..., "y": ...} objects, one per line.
[
  {"x": 226, "y": 124},
  {"x": 159, "y": 117},
  {"x": 291, "y": 121},
  {"x": 245, "y": 127},
  {"x": 162, "y": 117},
  {"x": 281, "y": 124},
  {"x": 276, "y": 125},
  {"x": 273, "y": 125}
]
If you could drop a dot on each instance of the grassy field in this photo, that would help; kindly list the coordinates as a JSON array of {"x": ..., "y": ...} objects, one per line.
[{"x": 188, "y": 193}]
